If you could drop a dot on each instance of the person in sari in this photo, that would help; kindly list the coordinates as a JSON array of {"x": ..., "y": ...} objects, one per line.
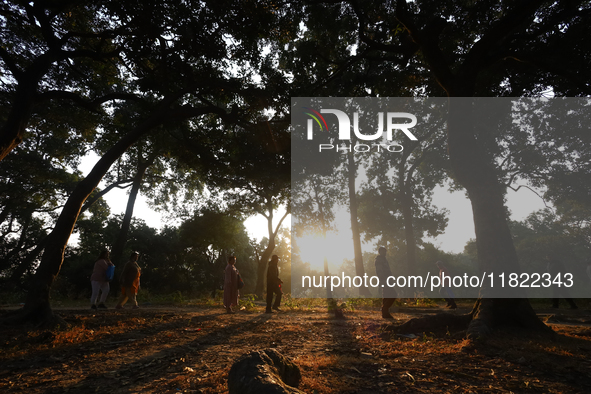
[{"x": 130, "y": 282}]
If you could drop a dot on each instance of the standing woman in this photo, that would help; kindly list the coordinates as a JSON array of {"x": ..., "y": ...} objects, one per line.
[
  {"x": 231, "y": 285},
  {"x": 99, "y": 281}
]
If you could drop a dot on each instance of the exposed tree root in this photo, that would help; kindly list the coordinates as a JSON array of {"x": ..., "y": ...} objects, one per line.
[
  {"x": 486, "y": 316},
  {"x": 440, "y": 321},
  {"x": 489, "y": 314}
]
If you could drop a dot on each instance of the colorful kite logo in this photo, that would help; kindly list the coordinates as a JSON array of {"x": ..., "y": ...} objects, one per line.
[{"x": 315, "y": 116}]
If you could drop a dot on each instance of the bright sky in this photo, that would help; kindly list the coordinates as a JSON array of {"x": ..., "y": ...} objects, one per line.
[
  {"x": 460, "y": 228},
  {"x": 256, "y": 226},
  {"x": 339, "y": 246}
]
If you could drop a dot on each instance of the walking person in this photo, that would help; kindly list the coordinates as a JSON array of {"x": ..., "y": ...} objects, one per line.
[
  {"x": 446, "y": 291},
  {"x": 273, "y": 285},
  {"x": 231, "y": 285},
  {"x": 130, "y": 282},
  {"x": 99, "y": 281},
  {"x": 383, "y": 271}
]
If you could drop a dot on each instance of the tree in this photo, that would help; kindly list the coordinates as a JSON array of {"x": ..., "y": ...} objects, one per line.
[
  {"x": 168, "y": 42},
  {"x": 119, "y": 243},
  {"x": 563, "y": 234},
  {"x": 398, "y": 193},
  {"x": 34, "y": 185},
  {"x": 254, "y": 171},
  {"x": 476, "y": 49},
  {"x": 471, "y": 165},
  {"x": 353, "y": 206},
  {"x": 313, "y": 203},
  {"x": 61, "y": 52}
]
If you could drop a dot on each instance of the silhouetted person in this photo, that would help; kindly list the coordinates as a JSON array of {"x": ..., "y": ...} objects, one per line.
[
  {"x": 445, "y": 291},
  {"x": 383, "y": 272},
  {"x": 273, "y": 285},
  {"x": 99, "y": 280},
  {"x": 130, "y": 281},
  {"x": 231, "y": 285},
  {"x": 555, "y": 267}
]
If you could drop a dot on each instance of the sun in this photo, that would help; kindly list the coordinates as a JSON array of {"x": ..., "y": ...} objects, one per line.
[{"x": 335, "y": 247}]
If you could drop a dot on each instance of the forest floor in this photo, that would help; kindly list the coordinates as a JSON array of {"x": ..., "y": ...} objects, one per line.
[{"x": 190, "y": 349}]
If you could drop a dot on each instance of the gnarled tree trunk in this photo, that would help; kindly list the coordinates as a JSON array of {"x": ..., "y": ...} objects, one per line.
[
  {"x": 475, "y": 171},
  {"x": 37, "y": 309}
]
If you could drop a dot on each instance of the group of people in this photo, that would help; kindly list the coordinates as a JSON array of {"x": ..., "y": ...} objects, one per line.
[
  {"x": 231, "y": 285},
  {"x": 274, "y": 283},
  {"x": 129, "y": 281}
]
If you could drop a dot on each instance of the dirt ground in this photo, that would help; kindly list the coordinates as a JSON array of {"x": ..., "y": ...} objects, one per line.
[{"x": 191, "y": 349}]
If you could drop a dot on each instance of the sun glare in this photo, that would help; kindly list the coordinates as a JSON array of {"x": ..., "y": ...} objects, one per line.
[{"x": 335, "y": 247}]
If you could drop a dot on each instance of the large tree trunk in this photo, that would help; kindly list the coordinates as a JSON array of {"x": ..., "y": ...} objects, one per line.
[
  {"x": 475, "y": 171},
  {"x": 37, "y": 308},
  {"x": 359, "y": 268}
]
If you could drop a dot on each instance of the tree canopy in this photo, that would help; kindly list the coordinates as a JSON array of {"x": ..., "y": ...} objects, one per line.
[{"x": 194, "y": 97}]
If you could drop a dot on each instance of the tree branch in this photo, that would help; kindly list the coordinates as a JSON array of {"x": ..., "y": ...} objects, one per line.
[
  {"x": 496, "y": 37},
  {"x": 532, "y": 190},
  {"x": 10, "y": 63},
  {"x": 429, "y": 45},
  {"x": 84, "y": 103},
  {"x": 287, "y": 212},
  {"x": 98, "y": 195}
]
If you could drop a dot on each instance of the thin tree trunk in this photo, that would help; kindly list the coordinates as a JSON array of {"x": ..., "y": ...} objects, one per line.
[
  {"x": 405, "y": 199},
  {"x": 266, "y": 255},
  {"x": 121, "y": 240},
  {"x": 409, "y": 236},
  {"x": 262, "y": 269},
  {"x": 359, "y": 268}
]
